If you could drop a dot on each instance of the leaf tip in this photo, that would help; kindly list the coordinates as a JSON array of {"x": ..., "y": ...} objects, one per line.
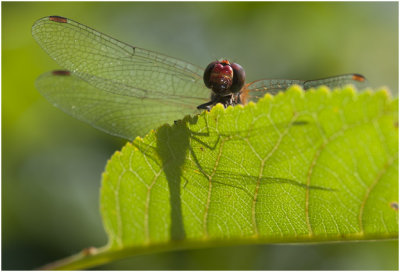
[
  {"x": 295, "y": 91},
  {"x": 324, "y": 89},
  {"x": 265, "y": 99},
  {"x": 382, "y": 94},
  {"x": 348, "y": 90},
  {"x": 230, "y": 108},
  {"x": 105, "y": 174},
  {"x": 241, "y": 106},
  {"x": 217, "y": 108},
  {"x": 129, "y": 144},
  {"x": 384, "y": 91},
  {"x": 252, "y": 104},
  {"x": 139, "y": 139},
  {"x": 296, "y": 88}
]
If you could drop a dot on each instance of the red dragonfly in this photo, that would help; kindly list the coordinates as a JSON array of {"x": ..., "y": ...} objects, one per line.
[{"x": 126, "y": 90}]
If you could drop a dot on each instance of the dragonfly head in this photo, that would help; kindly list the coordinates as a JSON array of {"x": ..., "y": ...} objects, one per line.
[{"x": 224, "y": 78}]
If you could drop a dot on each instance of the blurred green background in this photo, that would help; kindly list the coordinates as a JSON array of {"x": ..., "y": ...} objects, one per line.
[{"x": 52, "y": 163}]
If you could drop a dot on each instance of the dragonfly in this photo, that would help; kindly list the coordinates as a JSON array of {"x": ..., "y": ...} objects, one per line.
[{"x": 126, "y": 91}]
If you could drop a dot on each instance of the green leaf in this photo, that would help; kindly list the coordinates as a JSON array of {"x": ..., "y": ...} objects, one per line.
[{"x": 298, "y": 167}]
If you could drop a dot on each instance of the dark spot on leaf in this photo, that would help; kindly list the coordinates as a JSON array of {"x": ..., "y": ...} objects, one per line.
[
  {"x": 396, "y": 124},
  {"x": 394, "y": 205},
  {"x": 300, "y": 123}
]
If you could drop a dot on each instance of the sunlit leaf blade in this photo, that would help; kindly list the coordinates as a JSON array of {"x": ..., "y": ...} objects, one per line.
[{"x": 297, "y": 167}]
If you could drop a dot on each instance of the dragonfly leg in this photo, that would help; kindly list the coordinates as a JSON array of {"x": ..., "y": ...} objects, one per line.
[
  {"x": 228, "y": 100},
  {"x": 206, "y": 106}
]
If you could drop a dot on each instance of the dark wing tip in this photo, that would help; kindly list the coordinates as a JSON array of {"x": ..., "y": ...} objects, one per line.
[
  {"x": 58, "y": 19},
  {"x": 358, "y": 77},
  {"x": 60, "y": 73}
]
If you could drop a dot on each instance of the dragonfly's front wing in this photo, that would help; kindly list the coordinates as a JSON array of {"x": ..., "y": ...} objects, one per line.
[{"x": 134, "y": 71}]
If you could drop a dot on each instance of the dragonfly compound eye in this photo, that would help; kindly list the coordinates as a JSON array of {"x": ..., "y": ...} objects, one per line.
[{"x": 239, "y": 77}]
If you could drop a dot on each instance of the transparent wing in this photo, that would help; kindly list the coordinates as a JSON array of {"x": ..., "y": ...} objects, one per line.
[
  {"x": 117, "y": 114},
  {"x": 257, "y": 89},
  {"x": 116, "y": 67}
]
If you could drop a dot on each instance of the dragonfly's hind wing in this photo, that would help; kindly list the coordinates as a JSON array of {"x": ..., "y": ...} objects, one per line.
[
  {"x": 257, "y": 89},
  {"x": 356, "y": 80},
  {"x": 117, "y": 114}
]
